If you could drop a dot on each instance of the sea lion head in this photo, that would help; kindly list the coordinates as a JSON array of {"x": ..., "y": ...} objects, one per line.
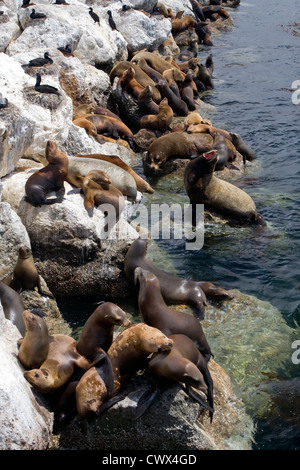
[
  {"x": 40, "y": 379},
  {"x": 143, "y": 276},
  {"x": 54, "y": 155},
  {"x": 150, "y": 339},
  {"x": 33, "y": 321},
  {"x": 24, "y": 252},
  {"x": 99, "y": 177},
  {"x": 114, "y": 315}
]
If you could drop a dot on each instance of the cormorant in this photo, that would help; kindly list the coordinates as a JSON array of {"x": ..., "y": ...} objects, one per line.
[
  {"x": 45, "y": 88},
  {"x": 94, "y": 15}
]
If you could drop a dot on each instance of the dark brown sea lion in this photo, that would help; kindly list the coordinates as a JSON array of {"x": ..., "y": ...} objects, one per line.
[
  {"x": 247, "y": 152},
  {"x": 189, "y": 53},
  {"x": 48, "y": 179},
  {"x": 105, "y": 112},
  {"x": 184, "y": 364},
  {"x": 203, "y": 187},
  {"x": 141, "y": 184},
  {"x": 177, "y": 145},
  {"x": 99, "y": 327},
  {"x": 109, "y": 126},
  {"x": 34, "y": 347},
  {"x": 174, "y": 289},
  {"x": 204, "y": 75},
  {"x": 59, "y": 365},
  {"x": 140, "y": 75},
  {"x": 146, "y": 103},
  {"x": 156, "y": 313},
  {"x": 13, "y": 307},
  {"x": 187, "y": 91},
  {"x": 25, "y": 274},
  {"x": 129, "y": 351},
  {"x": 172, "y": 77},
  {"x": 177, "y": 104},
  {"x": 160, "y": 121}
]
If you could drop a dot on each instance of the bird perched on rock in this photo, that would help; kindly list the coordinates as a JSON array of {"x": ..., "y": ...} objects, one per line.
[
  {"x": 67, "y": 51},
  {"x": 60, "y": 2},
  {"x": 111, "y": 22},
  {"x": 34, "y": 15},
  {"x": 39, "y": 61},
  {"x": 3, "y": 102},
  {"x": 45, "y": 88},
  {"x": 94, "y": 15}
]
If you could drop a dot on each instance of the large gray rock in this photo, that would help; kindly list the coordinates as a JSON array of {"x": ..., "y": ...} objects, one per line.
[{"x": 25, "y": 421}]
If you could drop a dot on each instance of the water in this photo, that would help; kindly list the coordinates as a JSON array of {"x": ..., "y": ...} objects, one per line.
[{"x": 255, "y": 65}]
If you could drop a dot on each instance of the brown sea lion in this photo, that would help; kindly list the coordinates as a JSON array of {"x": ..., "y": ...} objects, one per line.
[
  {"x": 187, "y": 91},
  {"x": 203, "y": 187},
  {"x": 176, "y": 145},
  {"x": 89, "y": 127},
  {"x": 177, "y": 104},
  {"x": 82, "y": 109},
  {"x": 189, "y": 53},
  {"x": 169, "y": 75},
  {"x": 156, "y": 62},
  {"x": 105, "y": 112},
  {"x": 160, "y": 121},
  {"x": 59, "y": 365},
  {"x": 34, "y": 347},
  {"x": 184, "y": 364},
  {"x": 247, "y": 152},
  {"x": 141, "y": 184},
  {"x": 129, "y": 351},
  {"x": 194, "y": 118},
  {"x": 156, "y": 313},
  {"x": 146, "y": 103},
  {"x": 129, "y": 83},
  {"x": 150, "y": 71},
  {"x": 25, "y": 274},
  {"x": 140, "y": 75},
  {"x": 109, "y": 125},
  {"x": 182, "y": 24},
  {"x": 190, "y": 64},
  {"x": 48, "y": 179},
  {"x": 99, "y": 327},
  {"x": 90, "y": 391},
  {"x": 13, "y": 306}
]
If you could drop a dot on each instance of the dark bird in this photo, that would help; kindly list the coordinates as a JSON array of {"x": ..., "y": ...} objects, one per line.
[
  {"x": 126, "y": 7},
  {"x": 45, "y": 88},
  {"x": 1, "y": 12},
  {"x": 94, "y": 15},
  {"x": 60, "y": 2},
  {"x": 67, "y": 51},
  {"x": 34, "y": 15},
  {"x": 3, "y": 102},
  {"x": 26, "y": 3},
  {"x": 111, "y": 22},
  {"x": 40, "y": 61}
]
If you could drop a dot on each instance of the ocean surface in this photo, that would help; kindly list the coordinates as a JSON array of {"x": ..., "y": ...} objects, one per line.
[{"x": 255, "y": 63}]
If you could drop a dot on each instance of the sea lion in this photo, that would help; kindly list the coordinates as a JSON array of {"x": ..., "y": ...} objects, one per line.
[
  {"x": 160, "y": 121},
  {"x": 140, "y": 75},
  {"x": 59, "y": 365},
  {"x": 177, "y": 104},
  {"x": 34, "y": 347},
  {"x": 173, "y": 79},
  {"x": 90, "y": 392},
  {"x": 204, "y": 75},
  {"x": 150, "y": 71},
  {"x": 184, "y": 364},
  {"x": 25, "y": 274},
  {"x": 187, "y": 91},
  {"x": 189, "y": 53},
  {"x": 48, "y": 179},
  {"x": 190, "y": 64},
  {"x": 99, "y": 327},
  {"x": 128, "y": 352},
  {"x": 141, "y": 184},
  {"x": 247, "y": 152},
  {"x": 226, "y": 151},
  {"x": 203, "y": 187},
  {"x": 153, "y": 60},
  {"x": 82, "y": 109},
  {"x": 182, "y": 24},
  {"x": 13, "y": 306},
  {"x": 176, "y": 145},
  {"x": 129, "y": 83},
  {"x": 174, "y": 289},
  {"x": 156, "y": 313},
  {"x": 105, "y": 112},
  {"x": 194, "y": 118},
  {"x": 102, "y": 195},
  {"x": 89, "y": 127},
  {"x": 146, "y": 103},
  {"x": 120, "y": 179}
]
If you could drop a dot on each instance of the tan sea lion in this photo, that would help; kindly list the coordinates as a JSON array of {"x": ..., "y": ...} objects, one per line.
[
  {"x": 34, "y": 347},
  {"x": 182, "y": 24},
  {"x": 25, "y": 274},
  {"x": 99, "y": 327},
  {"x": 48, "y": 179},
  {"x": 156, "y": 313},
  {"x": 82, "y": 109},
  {"x": 150, "y": 71},
  {"x": 129, "y": 351},
  {"x": 59, "y": 365},
  {"x": 203, "y": 187},
  {"x": 156, "y": 62},
  {"x": 160, "y": 121},
  {"x": 141, "y": 184},
  {"x": 129, "y": 83}
]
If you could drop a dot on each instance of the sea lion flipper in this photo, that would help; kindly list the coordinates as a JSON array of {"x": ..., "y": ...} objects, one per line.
[
  {"x": 145, "y": 401},
  {"x": 198, "y": 398},
  {"x": 42, "y": 292},
  {"x": 109, "y": 403}
]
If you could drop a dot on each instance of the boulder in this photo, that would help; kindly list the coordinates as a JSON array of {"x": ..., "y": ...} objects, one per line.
[{"x": 25, "y": 420}]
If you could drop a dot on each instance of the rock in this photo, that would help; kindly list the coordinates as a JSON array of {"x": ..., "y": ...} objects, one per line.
[
  {"x": 70, "y": 249},
  {"x": 25, "y": 420},
  {"x": 10, "y": 28},
  {"x": 141, "y": 31},
  {"x": 182, "y": 423}
]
